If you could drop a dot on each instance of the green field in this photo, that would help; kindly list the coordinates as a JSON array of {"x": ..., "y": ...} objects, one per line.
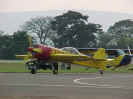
[{"x": 20, "y": 67}]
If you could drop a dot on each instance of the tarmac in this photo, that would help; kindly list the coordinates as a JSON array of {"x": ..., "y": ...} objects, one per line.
[{"x": 66, "y": 86}]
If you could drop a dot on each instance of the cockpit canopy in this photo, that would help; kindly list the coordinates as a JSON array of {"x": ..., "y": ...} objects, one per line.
[
  {"x": 71, "y": 50},
  {"x": 121, "y": 52}
]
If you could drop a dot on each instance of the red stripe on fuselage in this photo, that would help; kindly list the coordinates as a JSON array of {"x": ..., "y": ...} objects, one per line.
[{"x": 45, "y": 54}]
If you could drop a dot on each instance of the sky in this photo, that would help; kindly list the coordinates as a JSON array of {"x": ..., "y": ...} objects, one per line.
[{"x": 122, "y": 6}]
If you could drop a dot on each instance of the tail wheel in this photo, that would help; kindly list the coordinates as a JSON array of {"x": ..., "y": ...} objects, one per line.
[{"x": 55, "y": 68}]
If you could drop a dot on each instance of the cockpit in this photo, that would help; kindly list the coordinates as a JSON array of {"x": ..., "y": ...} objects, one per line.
[
  {"x": 71, "y": 50},
  {"x": 121, "y": 52},
  {"x": 112, "y": 53}
]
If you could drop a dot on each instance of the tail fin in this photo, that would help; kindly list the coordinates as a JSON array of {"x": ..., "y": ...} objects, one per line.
[{"x": 100, "y": 54}]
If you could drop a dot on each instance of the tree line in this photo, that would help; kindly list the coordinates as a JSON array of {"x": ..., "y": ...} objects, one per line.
[{"x": 69, "y": 29}]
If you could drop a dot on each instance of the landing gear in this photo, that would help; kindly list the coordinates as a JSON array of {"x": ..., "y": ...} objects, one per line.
[
  {"x": 33, "y": 71},
  {"x": 32, "y": 66},
  {"x": 101, "y": 72},
  {"x": 35, "y": 65},
  {"x": 55, "y": 68}
]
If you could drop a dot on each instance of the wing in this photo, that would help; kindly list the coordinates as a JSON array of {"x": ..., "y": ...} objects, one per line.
[
  {"x": 88, "y": 51},
  {"x": 25, "y": 57},
  {"x": 21, "y": 56},
  {"x": 69, "y": 57}
]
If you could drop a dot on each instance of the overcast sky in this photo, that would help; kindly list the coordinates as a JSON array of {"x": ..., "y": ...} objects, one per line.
[{"x": 123, "y": 6}]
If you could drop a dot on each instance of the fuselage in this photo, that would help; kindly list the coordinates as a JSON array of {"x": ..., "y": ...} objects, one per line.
[{"x": 46, "y": 53}]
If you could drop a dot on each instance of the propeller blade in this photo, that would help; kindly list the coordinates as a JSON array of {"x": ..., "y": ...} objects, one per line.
[
  {"x": 30, "y": 41},
  {"x": 27, "y": 57},
  {"x": 38, "y": 50}
]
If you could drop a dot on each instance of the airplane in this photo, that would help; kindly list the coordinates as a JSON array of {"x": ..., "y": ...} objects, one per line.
[{"x": 44, "y": 57}]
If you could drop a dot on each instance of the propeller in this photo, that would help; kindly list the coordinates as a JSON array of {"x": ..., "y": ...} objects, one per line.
[
  {"x": 29, "y": 55},
  {"x": 30, "y": 50}
]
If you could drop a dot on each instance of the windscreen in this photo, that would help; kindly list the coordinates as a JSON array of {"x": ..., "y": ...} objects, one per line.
[{"x": 71, "y": 50}]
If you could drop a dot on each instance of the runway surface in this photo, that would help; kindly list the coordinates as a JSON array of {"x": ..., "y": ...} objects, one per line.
[{"x": 68, "y": 86}]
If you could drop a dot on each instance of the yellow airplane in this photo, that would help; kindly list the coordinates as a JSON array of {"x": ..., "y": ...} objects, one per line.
[{"x": 45, "y": 57}]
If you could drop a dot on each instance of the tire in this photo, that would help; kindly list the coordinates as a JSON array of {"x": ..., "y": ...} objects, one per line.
[
  {"x": 101, "y": 72},
  {"x": 33, "y": 71},
  {"x": 55, "y": 68}
]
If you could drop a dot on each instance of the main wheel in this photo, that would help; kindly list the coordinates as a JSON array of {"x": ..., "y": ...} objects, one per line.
[
  {"x": 55, "y": 68},
  {"x": 101, "y": 72},
  {"x": 33, "y": 71}
]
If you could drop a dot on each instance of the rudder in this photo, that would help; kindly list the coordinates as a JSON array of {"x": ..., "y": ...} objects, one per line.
[{"x": 100, "y": 54}]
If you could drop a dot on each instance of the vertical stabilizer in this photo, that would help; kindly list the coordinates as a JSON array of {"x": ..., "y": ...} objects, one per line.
[{"x": 100, "y": 54}]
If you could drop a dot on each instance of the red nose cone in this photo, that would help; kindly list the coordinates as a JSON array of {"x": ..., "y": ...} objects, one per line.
[
  {"x": 30, "y": 49},
  {"x": 45, "y": 52}
]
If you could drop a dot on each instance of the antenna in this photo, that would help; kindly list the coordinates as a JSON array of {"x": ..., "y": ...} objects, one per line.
[{"x": 129, "y": 51}]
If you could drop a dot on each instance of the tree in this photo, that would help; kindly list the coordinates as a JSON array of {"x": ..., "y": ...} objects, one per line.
[
  {"x": 122, "y": 33},
  {"x": 5, "y": 46},
  {"x": 41, "y": 26},
  {"x": 10, "y": 45},
  {"x": 73, "y": 29},
  {"x": 1, "y": 33},
  {"x": 104, "y": 40},
  {"x": 20, "y": 42}
]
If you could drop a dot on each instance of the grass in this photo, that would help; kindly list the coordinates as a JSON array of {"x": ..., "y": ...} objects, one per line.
[
  {"x": 123, "y": 69},
  {"x": 12, "y": 67},
  {"x": 20, "y": 67}
]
